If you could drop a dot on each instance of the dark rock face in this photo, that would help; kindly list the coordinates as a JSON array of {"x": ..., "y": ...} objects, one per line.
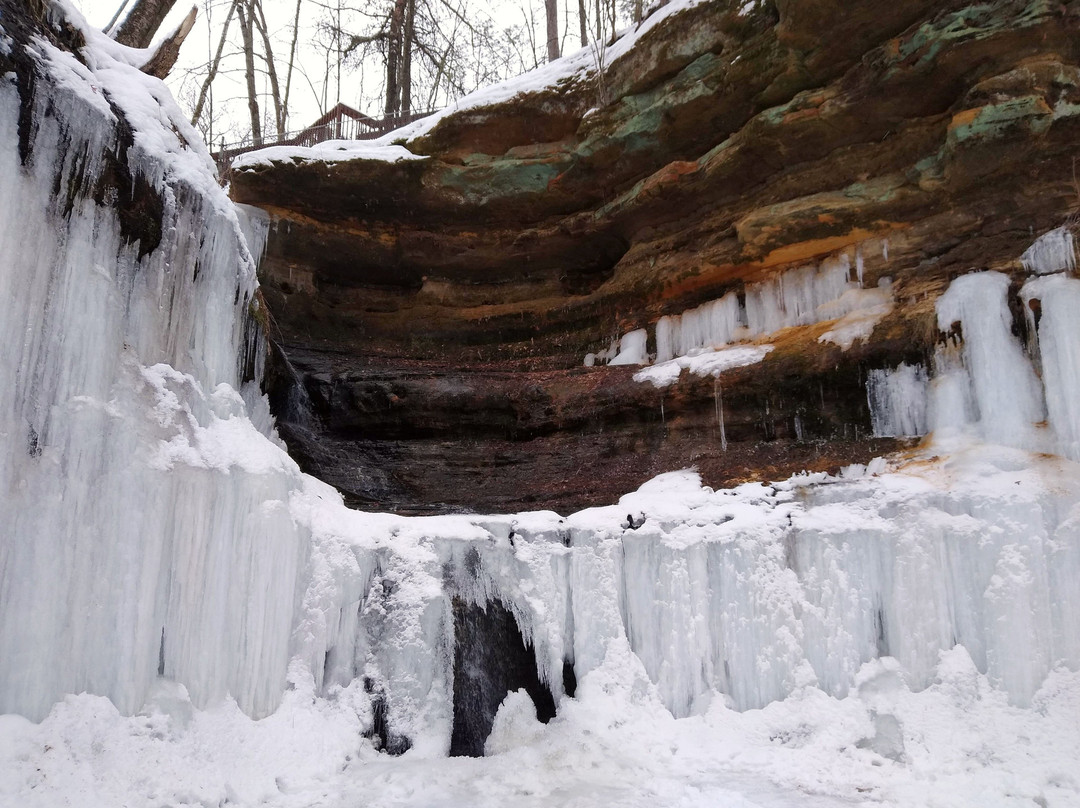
[
  {"x": 490, "y": 660},
  {"x": 435, "y": 313}
]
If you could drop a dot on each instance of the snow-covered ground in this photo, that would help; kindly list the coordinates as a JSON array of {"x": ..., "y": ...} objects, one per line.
[{"x": 902, "y": 634}]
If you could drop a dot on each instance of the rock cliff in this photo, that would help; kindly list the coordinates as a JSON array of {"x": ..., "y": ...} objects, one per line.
[{"x": 825, "y": 176}]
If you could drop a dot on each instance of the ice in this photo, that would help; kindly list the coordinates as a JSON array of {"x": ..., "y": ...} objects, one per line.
[
  {"x": 707, "y": 363},
  {"x": 632, "y": 350},
  {"x": 1058, "y": 301},
  {"x": 711, "y": 325},
  {"x": 146, "y": 527},
  {"x": 1006, "y": 393},
  {"x": 801, "y": 296},
  {"x": 898, "y": 400},
  {"x": 857, "y": 313},
  {"x": 1053, "y": 251}
]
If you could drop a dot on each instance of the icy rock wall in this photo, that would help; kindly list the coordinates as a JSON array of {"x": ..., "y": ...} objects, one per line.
[
  {"x": 748, "y": 593},
  {"x": 800, "y": 296},
  {"x": 984, "y": 381},
  {"x": 145, "y": 528}
]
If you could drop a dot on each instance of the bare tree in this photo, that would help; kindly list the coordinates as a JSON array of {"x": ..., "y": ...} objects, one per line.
[
  {"x": 292, "y": 61},
  {"x": 259, "y": 20},
  {"x": 244, "y": 15},
  {"x": 215, "y": 63}
]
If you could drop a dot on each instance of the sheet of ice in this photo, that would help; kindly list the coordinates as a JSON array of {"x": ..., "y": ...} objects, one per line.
[
  {"x": 1053, "y": 251},
  {"x": 863, "y": 310},
  {"x": 828, "y": 606},
  {"x": 706, "y": 363},
  {"x": 898, "y": 401},
  {"x": 711, "y": 325},
  {"x": 800, "y": 296},
  {"x": 146, "y": 529}
]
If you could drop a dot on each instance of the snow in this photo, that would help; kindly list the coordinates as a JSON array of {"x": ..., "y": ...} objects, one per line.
[
  {"x": 329, "y": 151},
  {"x": 186, "y": 619},
  {"x": 705, "y": 363}
]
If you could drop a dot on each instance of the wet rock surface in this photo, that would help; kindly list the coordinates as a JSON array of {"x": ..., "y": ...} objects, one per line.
[{"x": 433, "y": 315}]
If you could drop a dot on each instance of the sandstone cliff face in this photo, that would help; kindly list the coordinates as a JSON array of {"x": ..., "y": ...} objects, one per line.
[{"x": 434, "y": 314}]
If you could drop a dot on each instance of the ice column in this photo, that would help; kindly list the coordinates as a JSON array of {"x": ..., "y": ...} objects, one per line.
[
  {"x": 1007, "y": 393},
  {"x": 1058, "y": 299}
]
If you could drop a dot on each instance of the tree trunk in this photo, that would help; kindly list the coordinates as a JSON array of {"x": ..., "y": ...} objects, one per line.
[
  {"x": 551, "y": 11},
  {"x": 165, "y": 56},
  {"x": 583, "y": 22},
  {"x": 292, "y": 60},
  {"x": 406, "y": 59},
  {"x": 259, "y": 20},
  {"x": 393, "y": 57},
  {"x": 142, "y": 22},
  {"x": 249, "y": 70}
]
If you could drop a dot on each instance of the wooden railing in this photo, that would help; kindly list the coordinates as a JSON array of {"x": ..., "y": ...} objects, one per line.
[{"x": 341, "y": 123}]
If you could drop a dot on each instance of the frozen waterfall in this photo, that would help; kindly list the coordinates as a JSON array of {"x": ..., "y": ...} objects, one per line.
[{"x": 153, "y": 534}]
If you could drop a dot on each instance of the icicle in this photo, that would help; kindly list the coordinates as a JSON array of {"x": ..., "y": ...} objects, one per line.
[
  {"x": 1052, "y": 252},
  {"x": 718, "y": 400}
]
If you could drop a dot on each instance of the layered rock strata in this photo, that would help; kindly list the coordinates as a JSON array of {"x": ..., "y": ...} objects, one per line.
[{"x": 432, "y": 315}]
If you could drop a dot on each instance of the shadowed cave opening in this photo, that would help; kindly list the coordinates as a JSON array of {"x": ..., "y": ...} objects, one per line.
[{"x": 491, "y": 659}]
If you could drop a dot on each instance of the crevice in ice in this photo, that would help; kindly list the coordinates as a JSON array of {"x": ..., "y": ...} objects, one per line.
[
  {"x": 491, "y": 659},
  {"x": 387, "y": 740}
]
